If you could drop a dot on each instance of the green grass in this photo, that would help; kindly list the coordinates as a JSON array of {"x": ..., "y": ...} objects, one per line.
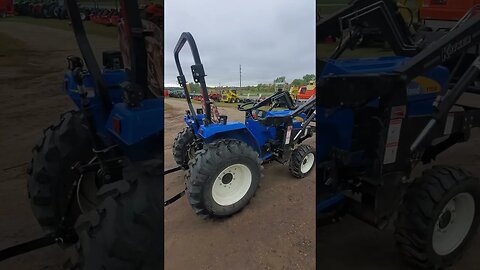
[
  {"x": 330, "y": 6},
  {"x": 326, "y": 10},
  {"x": 325, "y": 51},
  {"x": 223, "y": 104},
  {"x": 218, "y": 104},
  {"x": 90, "y": 28}
]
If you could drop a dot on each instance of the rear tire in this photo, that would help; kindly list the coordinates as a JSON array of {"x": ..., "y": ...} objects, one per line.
[
  {"x": 50, "y": 174},
  {"x": 181, "y": 147},
  {"x": 438, "y": 218},
  {"x": 302, "y": 161},
  {"x": 126, "y": 230},
  {"x": 222, "y": 178}
]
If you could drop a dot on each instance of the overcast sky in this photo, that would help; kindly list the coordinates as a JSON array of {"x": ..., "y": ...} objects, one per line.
[{"x": 269, "y": 38}]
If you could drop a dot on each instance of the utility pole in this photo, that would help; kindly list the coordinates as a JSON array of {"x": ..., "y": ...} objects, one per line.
[{"x": 240, "y": 76}]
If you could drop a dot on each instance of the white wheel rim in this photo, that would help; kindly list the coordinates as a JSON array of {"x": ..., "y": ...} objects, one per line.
[
  {"x": 453, "y": 224},
  {"x": 307, "y": 163},
  {"x": 231, "y": 184}
]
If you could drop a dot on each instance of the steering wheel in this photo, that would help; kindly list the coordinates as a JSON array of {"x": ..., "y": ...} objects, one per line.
[{"x": 247, "y": 106}]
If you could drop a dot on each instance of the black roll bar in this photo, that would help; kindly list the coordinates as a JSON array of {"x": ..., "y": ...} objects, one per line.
[
  {"x": 198, "y": 75},
  {"x": 87, "y": 53},
  {"x": 136, "y": 38}
]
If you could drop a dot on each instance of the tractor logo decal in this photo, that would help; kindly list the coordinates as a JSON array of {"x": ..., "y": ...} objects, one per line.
[
  {"x": 423, "y": 85},
  {"x": 451, "y": 49},
  {"x": 289, "y": 133}
]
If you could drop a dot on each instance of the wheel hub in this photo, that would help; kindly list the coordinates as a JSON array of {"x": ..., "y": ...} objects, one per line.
[
  {"x": 232, "y": 184},
  {"x": 453, "y": 224},
  {"x": 227, "y": 178},
  {"x": 445, "y": 219},
  {"x": 307, "y": 163}
]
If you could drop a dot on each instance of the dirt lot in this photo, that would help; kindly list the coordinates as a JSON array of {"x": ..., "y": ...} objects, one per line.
[
  {"x": 275, "y": 231},
  {"x": 32, "y": 63}
]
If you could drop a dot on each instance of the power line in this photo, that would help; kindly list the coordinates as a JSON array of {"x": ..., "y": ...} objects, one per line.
[{"x": 240, "y": 76}]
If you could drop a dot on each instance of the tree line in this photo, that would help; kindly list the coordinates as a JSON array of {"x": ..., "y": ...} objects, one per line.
[{"x": 259, "y": 88}]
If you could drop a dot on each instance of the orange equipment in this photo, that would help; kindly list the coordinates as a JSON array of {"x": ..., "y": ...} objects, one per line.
[
  {"x": 6, "y": 8},
  {"x": 305, "y": 92},
  {"x": 446, "y": 10}
]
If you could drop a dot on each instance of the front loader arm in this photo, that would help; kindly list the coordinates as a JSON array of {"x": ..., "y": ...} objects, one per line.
[{"x": 381, "y": 14}]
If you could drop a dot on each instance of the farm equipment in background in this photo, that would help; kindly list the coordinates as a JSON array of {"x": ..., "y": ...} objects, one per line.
[
  {"x": 196, "y": 97},
  {"x": 111, "y": 16},
  {"x": 176, "y": 94},
  {"x": 107, "y": 17},
  {"x": 306, "y": 92},
  {"x": 446, "y": 10},
  {"x": 294, "y": 91},
  {"x": 97, "y": 15},
  {"x": 215, "y": 96},
  {"x": 222, "y": 158},
  {"x": 230, "y": 96},
  {"x": 380, "y": 117},
  {"x": 95, "y": 177},
  {"x": 6, "y": 8},
  {"x": 154, "y": 13},
  {"x": 441, "y": 16},
  {"x": 47, "y": 9},
  {"x": 280, "y": 85}
]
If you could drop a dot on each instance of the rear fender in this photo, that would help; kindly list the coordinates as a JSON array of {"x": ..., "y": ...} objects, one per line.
[
  {"x": 137, "y": 131},
  {"x": 232, "y": 130}
]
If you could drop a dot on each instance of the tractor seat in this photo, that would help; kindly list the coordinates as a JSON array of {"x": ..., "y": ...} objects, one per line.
[{"x": 275, "y": 118}]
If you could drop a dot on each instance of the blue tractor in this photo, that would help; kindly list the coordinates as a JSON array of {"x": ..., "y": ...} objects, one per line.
[
  {"x": 95, "y": 177},
  {"x": 223, "y": 159},
  {"x": 377, "y": 118}
]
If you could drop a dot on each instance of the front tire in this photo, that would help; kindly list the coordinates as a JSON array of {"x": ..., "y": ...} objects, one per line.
[
  {"x": 438, "y": 218},
  {"x": 223, "y": 177},
  {"x": 302, "y": 161}
]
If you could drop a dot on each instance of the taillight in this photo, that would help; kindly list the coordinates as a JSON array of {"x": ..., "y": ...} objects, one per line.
[{"x": 116, "y": 124}]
